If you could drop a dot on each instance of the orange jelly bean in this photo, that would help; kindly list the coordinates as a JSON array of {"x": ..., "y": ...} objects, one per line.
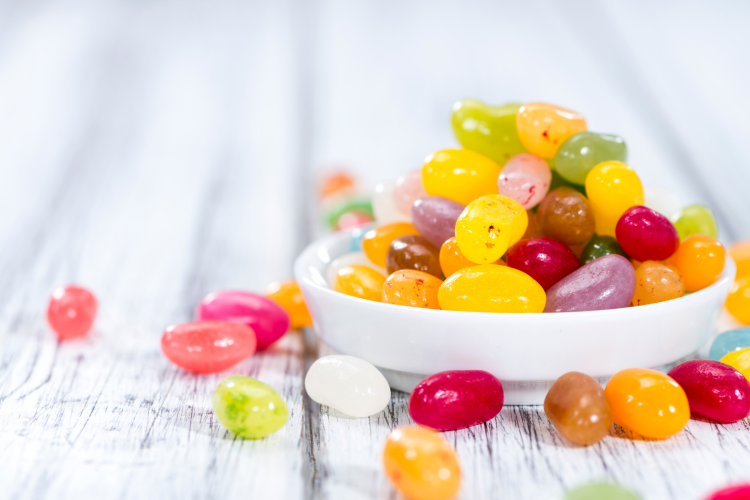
[
  {"x": 376, "y": 241},
  {"x": 647, "y": 402},
  {"x": 421, "y": 464},
  {"x": 700, "y": 261},
  {"x": 656, "y": 282},
  {"x": 542, "y": 127},
  {"x": 288, "y": 295},
  {"x": 409, "y": 287},
  {"x": 451, "y": 258},
  {"x": 738, "y": 301},
  {"x": 740, "y": 253},
  {"x": 360, "y": 281}
]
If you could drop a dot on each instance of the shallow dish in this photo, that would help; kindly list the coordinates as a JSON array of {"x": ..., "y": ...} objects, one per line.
[{"x": 527, "y": 352}]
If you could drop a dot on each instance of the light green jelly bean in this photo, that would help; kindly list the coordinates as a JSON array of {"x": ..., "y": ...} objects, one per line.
[
  {"x": 585, "y": 150},
  {"x": 488, "y": 130},
  {"x": 248, "y": 407},
  {"x": 695, "y": 219},
  {"x": 600, "y": 491}
]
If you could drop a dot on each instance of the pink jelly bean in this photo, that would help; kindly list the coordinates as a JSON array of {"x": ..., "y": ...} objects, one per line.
[
  {"x": 646, "y": 234},
  {"x": 435, "y": 218},
  {"x": 207, "y": 346},
  {"x": 544, "y": 259},
  {"x": 409, "y": 188},
  {"x": 267, "y": 319},
  {"x": 456, "y": 399},
  {"x": 738, "y": 492},
  {"x": 526, "y": 179},
  {"x": 713, "y": 389},
  {"x": 71, "y": 311}
]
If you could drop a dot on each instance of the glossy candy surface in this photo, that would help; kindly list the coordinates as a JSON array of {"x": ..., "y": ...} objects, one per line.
[
  {"x": 488, "y": 226},
  {"x": 71, "y": 311},
  {"x": 451, "y": 258},
  {"x": 248, "y": 407},
  {"x": 566, "y": 215},
  {"x": 435, "y": 218},
  {"x": 456, "y": 399},
  {"x": 695, "y": 219},
  {"x": 599, "y": 246},
  {"x": 208, "y": 346},
  {"x": 585, "y": 150},
  {"x": 542, "y": 127},
  {"x": 736, "y": 492},
  {"x": 409, "y": 188},
  {"x": 740, "y": 253},
  {"x": 738, "y": 301},
  {"x": 350, "y": 259},
  {"x": 489, "y": 130},
  {"x": 714, "y": 390},
  {"x": 544, "y": 259},
  {"x": 491, "y": 288},
  {"x": 412, "y": 288},
  {"x": 612, "y": 187},
  {"x": 646, "y": 234},
  {"x": 700, "y": 261},
  {"x": 264, "y": 316},
  {"x": 413, "y": 252},
  {"x": 577, "y": 407},
  {"x": 656, "y": 282},
  {"x": 350, "y": 385},
  {"x": 526, "y": 179},
  {"x": 600, "y": 491},
  {"x": 460, "y": 175},
  {"x": 376, "y": 241},
  {"x": 733, "y": 340},
  {"x": 663, "y": 201},
  {"x": 605, "y": 283},
  {"x": 421, "y": 464},
  {"x": 647, "y": 402},
  {"x": 384, "y": 205},
  {"x": 739, "y": 360},
  {"x": 288, "y": 295},
  {"x": 360, "y": 281}
]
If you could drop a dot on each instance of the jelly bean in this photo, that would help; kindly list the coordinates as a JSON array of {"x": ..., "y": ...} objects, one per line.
[
  {"x": 357, "y": 235},
  {"x": 266, "y": 318},
  {"x": 491, "y": 288},
  {"x": 695, "y": 219},
  {"x": 460, "y": 175},
  {"x": 700, "y": 261},
  {"x": 376, "y": 241},
  {"x": 336, "y": 183},
  {"x": 605, "y": 283},
  {"x": 351, "y": 220},
  {"x": 646, "y": 234},
  {"x": 577, "y": 407},
  {"x": 544, "y": 259},
  {"x": 456, "y": 399},
  {"x": 412, "y": 288},
  {"x": 543, "y": 128},
  {"x": 599, "y": 246},
  {"x": 409, "y": 188},
  {"x": 661, "y": 200},
  {"x": 737, "y": 492},
  {"x": 208, "y": 346},
  {"x": 714, "y": 390},
  {"x": 248, "y": 407},
  {"x": 740, "y": 253},
  {"x": 489, "y": 130},
  {"x": 738, "y": 301},
  {"x": 435, "y": 218},
  {"x": 488, "y": 226},
  {"x": 288, "y": 295},
  {"x": 532, "y": 229},
  {"x": 421, "y": 464},
  {"x": 451, "y": 258},
  {"x": 350, "y": 259},
  {"x": 350, "y": 385},
  {"x": 71, "y": 311},
  {"x": 656, "y": 282},
  {"x": 338, "y": 207},
  {"x": 647, "y": 402},
  {"x": 739, "y": 360},
  {"x": 600, "y": 491},
  {"x": 384, "y": 205},
  {"x": 566, "y": 215},
  {"x": 733, "y": 340},
  {"x": 585, "y": 150},
  {"x": 360, "y": 281},
  {"x": 612, "y": 187},
  {"x": 525, "y": 178},
  {"x": 413, "y": 252}
]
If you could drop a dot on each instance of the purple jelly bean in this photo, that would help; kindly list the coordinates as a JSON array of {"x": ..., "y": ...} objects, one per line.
[
  {"x": 435, "y": 218},
  {"x": 605, "y": 283}
]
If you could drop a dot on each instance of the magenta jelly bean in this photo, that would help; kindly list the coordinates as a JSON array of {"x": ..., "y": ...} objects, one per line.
[
  {"x": 435, "y": 218},
  {"x": 456, "y": 399},
  {"x": 646, "y": 234},
  {"x": 71, "y": 311},
  {"x": 544, "y": 259},
  {"x": 267, "y": 319},
  {"x": 736, "y": 492},
  {"x": 713, "y": 389},
  {"x": 207, "y": 346},
  {"x": 526, "y": 179}
]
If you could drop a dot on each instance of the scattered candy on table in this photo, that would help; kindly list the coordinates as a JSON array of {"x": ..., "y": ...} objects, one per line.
[
  {"x": 288, "y": 295},
  {"x": 71, "y": 311},
  {"x": 248, "y": 407},
  {"x": 578, "y": 408}
]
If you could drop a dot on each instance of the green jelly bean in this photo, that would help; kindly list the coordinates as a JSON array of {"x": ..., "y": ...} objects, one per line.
[
  {"x": 585, "y": 150},
  {"x": 248, "y": 407},
  {"x": 600, "y": 491},
  {"x": 695, "y": 219},
  {"x": 488, "y": 130},
  {"x": 362, "y": 205},
  {"x": 599, "y": 246}
]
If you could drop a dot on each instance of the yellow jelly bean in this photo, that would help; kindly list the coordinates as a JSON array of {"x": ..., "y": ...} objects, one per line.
[
  {"x": 488, "y": 226},
  {"x": 491, "y": 288},
  {"x": 612, "y": 187},
  {"x": 738, "y": 301},
  {"x": 360, "y": 281},
  {"x": 376, "y": 241},
  {"x": 460, "y": 175},
  {"x": 543, "y": 128},
  {"x": 740, "y": 361}
]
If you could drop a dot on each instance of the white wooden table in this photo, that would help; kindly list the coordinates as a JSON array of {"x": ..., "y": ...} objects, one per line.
[{"x": 156, "y": 151}]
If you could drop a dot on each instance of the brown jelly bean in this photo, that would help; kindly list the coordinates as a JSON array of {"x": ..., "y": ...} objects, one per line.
[
  {"x": 566, "y": 215},
  {"x": 413, "y": 252},
  {"x": 579, "y": 410}
]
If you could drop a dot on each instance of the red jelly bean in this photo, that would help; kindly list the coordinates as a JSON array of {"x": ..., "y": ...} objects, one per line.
[
  {"x": 739, "y": 492},
  {"x": 713, "y": 389},
  {"x": 646, "y": 234},
  {"x": 267, "y": 319},
  {"x": 71, "y": 311},
  {"x": 456, "y": 399},
  {"x": 207, "y": 346},
  {"x": 544, "y": 259}
]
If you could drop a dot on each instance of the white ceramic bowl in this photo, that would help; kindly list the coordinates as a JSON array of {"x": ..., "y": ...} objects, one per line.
[{"x": 527, "y": 352}]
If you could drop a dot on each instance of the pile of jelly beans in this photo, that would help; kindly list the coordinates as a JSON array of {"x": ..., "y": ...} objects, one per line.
[{"x": 534, "y": 214}]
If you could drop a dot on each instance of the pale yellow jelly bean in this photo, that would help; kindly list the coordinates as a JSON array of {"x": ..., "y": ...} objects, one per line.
[
  {"x": 491, "y": 288},
  {"x": 488, "y": 226}
]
